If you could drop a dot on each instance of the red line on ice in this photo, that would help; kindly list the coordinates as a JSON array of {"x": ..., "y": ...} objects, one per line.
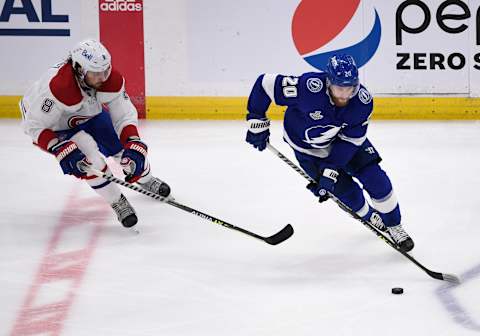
[{"x": 62, "y": 267}]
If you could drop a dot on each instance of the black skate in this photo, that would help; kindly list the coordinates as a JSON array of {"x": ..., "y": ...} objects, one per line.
[
  {"x": 156, "y": 186},
  {"x": 401, "y": 238},
  {"x": 125, "y": 212}
]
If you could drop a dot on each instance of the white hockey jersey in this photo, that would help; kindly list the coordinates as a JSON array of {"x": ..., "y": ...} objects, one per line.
[{"x": 57, "y": 102}]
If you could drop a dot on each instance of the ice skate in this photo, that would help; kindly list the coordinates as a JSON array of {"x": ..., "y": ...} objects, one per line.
[
  {"x": 125, "y": 212},
  {"x": 377, "y": 222},
  {"x": 156, "y": 186},
  {"x": 401, "y": 238}
]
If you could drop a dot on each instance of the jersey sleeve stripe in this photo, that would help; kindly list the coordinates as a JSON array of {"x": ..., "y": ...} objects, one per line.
[
  {"x": 268, "y": 84},
  {"x": 355, "y": 141}
]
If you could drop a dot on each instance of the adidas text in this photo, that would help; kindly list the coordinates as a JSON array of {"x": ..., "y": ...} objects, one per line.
[{"x": 121, "y": 5}]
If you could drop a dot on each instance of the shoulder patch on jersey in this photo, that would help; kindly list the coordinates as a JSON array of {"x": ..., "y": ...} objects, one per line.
[
  {"x": 114, "y": 83},
  {"x": 64, "y": 86},
  {"x": 314, "y": 84},
  {"x": 47, "y": 105},
  {"x": 364, "y": 96}
]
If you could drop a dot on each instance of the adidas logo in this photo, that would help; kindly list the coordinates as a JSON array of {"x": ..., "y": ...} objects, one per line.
[{"x": 120, "y": 6}]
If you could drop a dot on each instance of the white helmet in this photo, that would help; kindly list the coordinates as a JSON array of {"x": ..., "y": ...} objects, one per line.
[{"x": 90, "y": 55}]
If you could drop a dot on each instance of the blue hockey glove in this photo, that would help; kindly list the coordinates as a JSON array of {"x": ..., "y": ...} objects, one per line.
[
  {"x": 325, "y": 184},
  {"x": 70, "y": 157},
  {"x": 258, "y": 133},
  {"x": 133, "y": 159}
]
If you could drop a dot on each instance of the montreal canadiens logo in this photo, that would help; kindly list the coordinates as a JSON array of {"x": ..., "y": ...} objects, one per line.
[
  {"x": 319, "y": 26},
  {"x": 77, "y": 120}
]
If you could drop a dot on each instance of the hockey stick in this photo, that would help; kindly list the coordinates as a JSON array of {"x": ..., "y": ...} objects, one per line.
[
  {"x": 275, "y": 239},
  {"x": 436, "y": 275}
]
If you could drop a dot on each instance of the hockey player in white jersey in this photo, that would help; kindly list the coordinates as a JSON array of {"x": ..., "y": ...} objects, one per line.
[
  {"x": 325, "y": 124},
  {"x": 80, "y": 112}
]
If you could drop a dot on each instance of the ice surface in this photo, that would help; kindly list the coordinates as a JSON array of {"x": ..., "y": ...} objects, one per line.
[{"x": 68, "y": 268}]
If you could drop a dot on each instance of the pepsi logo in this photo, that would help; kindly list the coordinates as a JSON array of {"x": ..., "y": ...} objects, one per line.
[{"x": 316, "y": 25}]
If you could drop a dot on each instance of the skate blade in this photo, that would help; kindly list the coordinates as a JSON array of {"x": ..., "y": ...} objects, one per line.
[
  {"x": 166, "y": 199},
  {"x": 134, "y": 230}
]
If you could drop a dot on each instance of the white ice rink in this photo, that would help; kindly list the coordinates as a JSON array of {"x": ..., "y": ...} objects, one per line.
[{"x": 67, "y": 267}]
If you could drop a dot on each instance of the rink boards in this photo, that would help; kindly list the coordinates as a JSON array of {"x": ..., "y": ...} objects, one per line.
[{"x": 234, "y": 108}]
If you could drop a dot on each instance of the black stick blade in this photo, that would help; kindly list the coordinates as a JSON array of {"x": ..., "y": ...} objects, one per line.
[{"x": 280, "y": 236}]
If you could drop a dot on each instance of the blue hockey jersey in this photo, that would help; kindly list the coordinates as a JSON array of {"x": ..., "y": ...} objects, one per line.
[{"x": 313, "y": 125}]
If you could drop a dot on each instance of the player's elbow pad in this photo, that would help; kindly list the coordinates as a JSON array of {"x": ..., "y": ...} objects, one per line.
[{"x": 258, "y": 101}]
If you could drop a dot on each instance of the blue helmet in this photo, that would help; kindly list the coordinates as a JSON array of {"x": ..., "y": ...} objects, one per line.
[{"x": 342, "y": 70}]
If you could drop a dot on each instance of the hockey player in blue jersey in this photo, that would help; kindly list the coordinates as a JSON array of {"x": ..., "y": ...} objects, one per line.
[{"x": 326, "y": 123}]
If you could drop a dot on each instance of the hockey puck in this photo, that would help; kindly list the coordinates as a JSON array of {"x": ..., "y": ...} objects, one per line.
[{"x": 397, "y": 290}]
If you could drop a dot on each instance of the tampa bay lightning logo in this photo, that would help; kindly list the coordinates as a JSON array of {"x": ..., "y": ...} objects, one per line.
[
  {"x": 365, "y": 96},
  {"x": 317, "y": 23},
  {"x": 320, "y": 136}
]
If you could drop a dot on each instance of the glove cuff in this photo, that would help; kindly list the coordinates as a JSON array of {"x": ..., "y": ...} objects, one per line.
[
  {"x": 47, "y": 139},
  {"x": 331, "y": 174},
  {"x": 129, "y": 132},
  {"x": 63, "y": 149},
  {"x": 258, "y": 125},
  {"x": 138, "y": 146}
]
